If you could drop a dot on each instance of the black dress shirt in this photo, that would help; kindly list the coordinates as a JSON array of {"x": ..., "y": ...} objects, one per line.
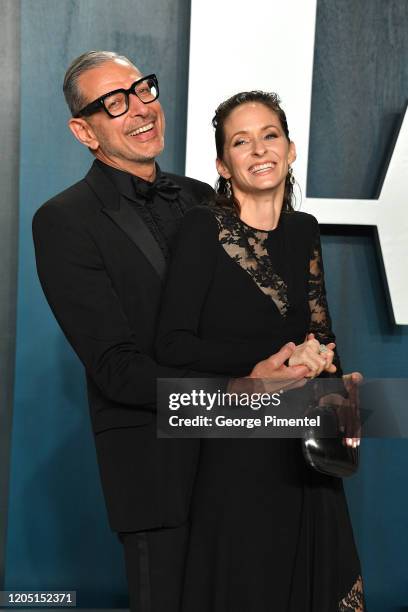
[{"x": 158, "y": 202}]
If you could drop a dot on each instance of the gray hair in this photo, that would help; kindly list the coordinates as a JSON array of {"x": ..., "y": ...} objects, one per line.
[{"x": 81, "y": 64}]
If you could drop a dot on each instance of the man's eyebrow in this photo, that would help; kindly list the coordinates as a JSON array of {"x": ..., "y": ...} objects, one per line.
[{"x": 266, "y": 127}]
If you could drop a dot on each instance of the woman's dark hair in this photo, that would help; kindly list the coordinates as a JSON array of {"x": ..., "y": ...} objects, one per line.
[{"x": 272, "y": 101}]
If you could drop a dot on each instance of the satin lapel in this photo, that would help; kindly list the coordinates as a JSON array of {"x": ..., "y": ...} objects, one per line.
[
  {"x": 130, "y": 222},
  {"x": 122, "y": 213}
]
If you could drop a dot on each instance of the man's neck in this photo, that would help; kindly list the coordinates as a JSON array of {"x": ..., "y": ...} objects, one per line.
[{"x": 145, "y": 170}]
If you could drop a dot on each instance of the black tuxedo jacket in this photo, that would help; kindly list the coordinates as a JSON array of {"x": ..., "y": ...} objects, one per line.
[{"x": 105, "y": 294}]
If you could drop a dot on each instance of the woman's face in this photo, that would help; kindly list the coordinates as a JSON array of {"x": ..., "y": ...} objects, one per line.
[{"x": 256, "y": 151}]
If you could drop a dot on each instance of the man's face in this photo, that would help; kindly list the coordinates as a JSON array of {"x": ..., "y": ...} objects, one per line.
[{"x": 132, "y": 140}]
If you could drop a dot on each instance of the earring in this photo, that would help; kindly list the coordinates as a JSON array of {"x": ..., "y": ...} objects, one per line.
[
  {"x": 291, "y": 176},
  {"x": 228, "y": 190}
]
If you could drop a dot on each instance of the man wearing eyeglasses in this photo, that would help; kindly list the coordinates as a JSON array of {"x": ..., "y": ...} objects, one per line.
[{"x": 101, "y": 250}]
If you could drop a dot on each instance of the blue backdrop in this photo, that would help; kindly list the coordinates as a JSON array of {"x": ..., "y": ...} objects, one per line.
[
  {"x": 58, "y": 535},
  {"x": 360, "y": 86}
]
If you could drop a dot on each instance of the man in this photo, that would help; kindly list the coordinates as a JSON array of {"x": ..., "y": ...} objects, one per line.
[{"x": 101, "y": 249}]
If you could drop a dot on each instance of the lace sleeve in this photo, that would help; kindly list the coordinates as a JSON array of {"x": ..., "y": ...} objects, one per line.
[{"x": 320, "y": 322}]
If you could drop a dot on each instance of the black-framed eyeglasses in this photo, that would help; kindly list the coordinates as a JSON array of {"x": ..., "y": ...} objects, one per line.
[{"x": 116, "y": 103}]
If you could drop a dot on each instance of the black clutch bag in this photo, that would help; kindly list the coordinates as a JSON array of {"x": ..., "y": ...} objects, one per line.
[{"x": 329, "y": 455}]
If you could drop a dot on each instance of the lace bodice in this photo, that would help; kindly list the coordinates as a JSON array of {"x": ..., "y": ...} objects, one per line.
[{"x": 246, "y": 246}]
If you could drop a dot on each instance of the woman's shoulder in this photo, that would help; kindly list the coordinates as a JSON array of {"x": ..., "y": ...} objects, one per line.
[
  {"x": 207, "y": 213},
  {"x": 215, "y": 217},
  {"x": 199, "y": 219},
  {"x": 300, "y": 221},
  {"x": 198, "y": 213},
  {"x": 301, "y": 218}
]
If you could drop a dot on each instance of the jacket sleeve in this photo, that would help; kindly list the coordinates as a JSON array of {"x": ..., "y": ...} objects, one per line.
[
  {"x": 80, "y": 293},
  {"x": 179, "y": 341}
]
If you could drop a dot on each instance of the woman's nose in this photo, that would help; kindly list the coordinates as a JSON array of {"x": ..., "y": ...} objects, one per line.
[{"x": 259, "y": 147}]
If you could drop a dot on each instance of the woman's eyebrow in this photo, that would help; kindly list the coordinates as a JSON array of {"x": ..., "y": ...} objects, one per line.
[{"x": 266, "y": 127}]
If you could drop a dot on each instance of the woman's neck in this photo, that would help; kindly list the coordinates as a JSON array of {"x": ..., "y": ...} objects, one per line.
[{"x": 261, "y": 210}]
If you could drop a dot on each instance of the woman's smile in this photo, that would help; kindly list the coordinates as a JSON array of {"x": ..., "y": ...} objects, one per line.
[{"x": 263, "y": 168}]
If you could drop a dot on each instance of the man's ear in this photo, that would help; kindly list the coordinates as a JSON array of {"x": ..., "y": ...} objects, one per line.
[
  {"x": 222, "y": 169},
  {"x": 291, "y": 153},
  {"x": 83, "y": 132}
]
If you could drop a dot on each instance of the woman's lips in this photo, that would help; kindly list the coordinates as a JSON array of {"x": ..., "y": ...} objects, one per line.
[{"x": 262, "y": 168}]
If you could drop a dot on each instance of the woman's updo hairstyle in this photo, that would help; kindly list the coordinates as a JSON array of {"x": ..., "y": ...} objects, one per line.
[{"x": 272, "y": 101}]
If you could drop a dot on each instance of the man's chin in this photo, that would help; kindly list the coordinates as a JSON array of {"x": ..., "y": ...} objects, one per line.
[
  {"x": 145, "y": 160},
  {"x": 149, "y": 156}
]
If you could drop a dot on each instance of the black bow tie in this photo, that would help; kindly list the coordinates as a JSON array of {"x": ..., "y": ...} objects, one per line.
[{"x": 162, "y": 186}]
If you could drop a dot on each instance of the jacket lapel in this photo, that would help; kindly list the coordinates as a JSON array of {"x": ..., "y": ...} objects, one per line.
[
  {"x": 130, "y": 222},
  {"x": 117, "y": 207}
]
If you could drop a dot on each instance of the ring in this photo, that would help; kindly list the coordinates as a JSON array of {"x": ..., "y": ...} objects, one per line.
[{"x": 323, "y": 348}]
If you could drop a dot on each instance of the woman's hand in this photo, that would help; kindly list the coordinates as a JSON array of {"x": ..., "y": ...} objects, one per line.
[
  {"x": 328, "y": 354},
  {"x": 310, "y": 354},
  {"x": 352, "y": 382}
]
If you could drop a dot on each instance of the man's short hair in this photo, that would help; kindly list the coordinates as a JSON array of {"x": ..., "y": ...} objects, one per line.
[{"x": 81, "y": 64}]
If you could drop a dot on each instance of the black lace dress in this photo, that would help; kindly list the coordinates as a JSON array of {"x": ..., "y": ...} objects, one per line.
[{"x": 268, "y": 533}]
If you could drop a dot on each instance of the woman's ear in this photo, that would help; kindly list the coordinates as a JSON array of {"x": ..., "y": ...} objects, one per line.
[
  {"x": 222, "y": 169},
  {"x": 291, "y": 153},
  {"x": 83, "y": 132}
]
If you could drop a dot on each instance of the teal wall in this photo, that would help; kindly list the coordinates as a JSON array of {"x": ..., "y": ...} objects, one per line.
[
  {"x": 9, "y": 176},
  {"x": 57, "y": 531},
  {"x": 360, "y": 89}
]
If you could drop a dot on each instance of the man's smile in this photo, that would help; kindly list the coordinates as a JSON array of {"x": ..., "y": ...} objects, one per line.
[{"x": 142, "y": 129}]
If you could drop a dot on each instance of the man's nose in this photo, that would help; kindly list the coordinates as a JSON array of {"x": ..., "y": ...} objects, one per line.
[{"x": 136, "y": 106}]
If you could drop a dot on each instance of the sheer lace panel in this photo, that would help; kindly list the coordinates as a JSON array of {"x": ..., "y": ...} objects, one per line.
[
  {"x": 354, "y": 600},
  {"x": 246, "y": 246},
  {"x": 320, "y": 323}
]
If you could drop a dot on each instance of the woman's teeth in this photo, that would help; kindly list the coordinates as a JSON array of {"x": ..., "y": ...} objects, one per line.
[{"x": 261, "y": 167}]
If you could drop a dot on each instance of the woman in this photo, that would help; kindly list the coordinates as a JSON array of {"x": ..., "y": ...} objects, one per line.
[{"x": 268, "y": 533}]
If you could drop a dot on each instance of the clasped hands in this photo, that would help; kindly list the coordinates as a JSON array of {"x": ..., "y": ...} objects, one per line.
[{"x": 305, "y": 361}]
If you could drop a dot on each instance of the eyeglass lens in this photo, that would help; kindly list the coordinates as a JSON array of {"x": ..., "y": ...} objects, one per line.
[{"x": 117, "y": 103}]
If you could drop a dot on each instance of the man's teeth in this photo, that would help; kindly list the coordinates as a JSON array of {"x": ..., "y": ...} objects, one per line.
[
  {"x": 260, "y": 167},
  {"x": 144, "y": 128}
]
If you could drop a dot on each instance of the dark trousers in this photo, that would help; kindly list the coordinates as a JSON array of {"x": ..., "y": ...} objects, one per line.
[{"x": 155, "y": 562}]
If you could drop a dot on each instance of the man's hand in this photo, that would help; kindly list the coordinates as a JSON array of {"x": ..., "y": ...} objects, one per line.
[
  {"x": 271, "y": 374},
  {"x": 274, "y": 366}
]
